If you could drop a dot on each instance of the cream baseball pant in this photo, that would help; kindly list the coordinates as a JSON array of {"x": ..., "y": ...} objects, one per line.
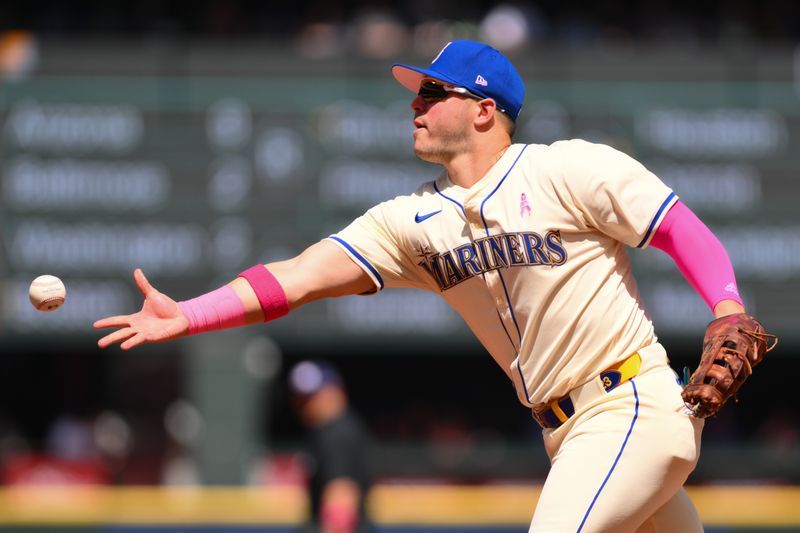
[{"x": 619, "y": 463}]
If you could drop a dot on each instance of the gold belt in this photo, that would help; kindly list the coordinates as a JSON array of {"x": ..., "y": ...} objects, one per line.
[{"x": 555, "y": 412}]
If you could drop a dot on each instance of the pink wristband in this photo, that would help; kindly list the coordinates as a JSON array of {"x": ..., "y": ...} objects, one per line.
[
  {"x": 269, "y": 292},
  {"x": 218, "y": 309}
]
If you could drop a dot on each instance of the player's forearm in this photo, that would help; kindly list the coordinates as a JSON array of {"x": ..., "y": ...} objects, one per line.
[
  {"x": 266, "y": 292},
  {"x": 253, "y": 313},
  {"x": 254, "y": 296}
]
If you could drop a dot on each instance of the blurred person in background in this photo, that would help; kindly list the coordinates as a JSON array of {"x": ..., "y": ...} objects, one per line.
[{"x": 338, "y": 447}]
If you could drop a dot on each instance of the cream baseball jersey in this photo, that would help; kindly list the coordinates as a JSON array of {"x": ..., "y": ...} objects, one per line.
[{"x": 532, "y": 257}]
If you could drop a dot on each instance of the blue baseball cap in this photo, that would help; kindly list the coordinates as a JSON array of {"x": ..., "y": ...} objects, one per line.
[
  {"x": 311, "y": 376},
  {"x": 475, "y": 66}
]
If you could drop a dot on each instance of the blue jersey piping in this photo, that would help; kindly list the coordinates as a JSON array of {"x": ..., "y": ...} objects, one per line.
[
  {"x": 486, "y": 227},
  {"x": 360, "y": 257},
  {"x": 616, "y": 460},
  {"x": 663, "y": 206},
  {"x": 443, "y": 195}
]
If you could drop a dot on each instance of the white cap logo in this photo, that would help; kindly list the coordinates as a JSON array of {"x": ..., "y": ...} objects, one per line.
[{"x": 480, "y": 80}]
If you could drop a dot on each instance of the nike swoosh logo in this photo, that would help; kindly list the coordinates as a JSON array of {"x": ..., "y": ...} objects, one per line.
[{"x": 419, "y": 218}]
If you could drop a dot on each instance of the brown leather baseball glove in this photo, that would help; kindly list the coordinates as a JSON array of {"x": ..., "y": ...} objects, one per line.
[{"x": 732, "y": 346}]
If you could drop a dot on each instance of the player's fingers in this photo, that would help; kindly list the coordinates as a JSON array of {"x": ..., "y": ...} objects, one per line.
[
  {"x": 133, "y": 342},
  {"x": 142, "y": 283},
  {"x": 113, "y": 322},
  {"x": 117, "y": 336}
]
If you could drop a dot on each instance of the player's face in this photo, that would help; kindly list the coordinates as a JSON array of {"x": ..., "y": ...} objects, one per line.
[{"x": 442, "y": 120}]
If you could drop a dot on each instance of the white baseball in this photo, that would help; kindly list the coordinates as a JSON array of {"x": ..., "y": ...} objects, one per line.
[{"x": 47, "y": 293}]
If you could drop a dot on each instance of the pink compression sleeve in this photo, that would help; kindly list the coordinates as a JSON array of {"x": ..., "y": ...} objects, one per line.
[
  {"x": 699, "y": 255},
  {"x": 218, "y": 309}
]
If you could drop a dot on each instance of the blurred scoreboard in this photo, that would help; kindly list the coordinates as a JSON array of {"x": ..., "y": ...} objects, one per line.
[{"x": 195, "y": 163}]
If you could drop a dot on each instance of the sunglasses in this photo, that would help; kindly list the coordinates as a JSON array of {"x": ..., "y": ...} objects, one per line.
[{"x": 433, "y": 91}]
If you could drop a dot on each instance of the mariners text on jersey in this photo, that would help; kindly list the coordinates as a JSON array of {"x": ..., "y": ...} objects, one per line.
[{"x": 522, "y": 249}]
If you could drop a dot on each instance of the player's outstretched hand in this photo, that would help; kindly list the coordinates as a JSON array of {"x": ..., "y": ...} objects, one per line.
[{"x": 160, "y": 319}]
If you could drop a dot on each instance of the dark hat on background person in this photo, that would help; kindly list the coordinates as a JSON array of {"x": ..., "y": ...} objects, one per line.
[
  {"x": 310, "y": 376},
  {"x": 474, "y": 66}
]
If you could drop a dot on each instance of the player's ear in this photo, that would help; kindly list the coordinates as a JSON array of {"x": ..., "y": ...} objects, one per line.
[{"x": 487, "y": 108}]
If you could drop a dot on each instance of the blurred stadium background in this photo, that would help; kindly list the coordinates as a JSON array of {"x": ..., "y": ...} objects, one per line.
[{"x": 195, "y": 139}]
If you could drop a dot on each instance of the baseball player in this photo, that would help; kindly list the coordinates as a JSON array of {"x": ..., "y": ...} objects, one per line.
[{"x": 528, "y": 244}]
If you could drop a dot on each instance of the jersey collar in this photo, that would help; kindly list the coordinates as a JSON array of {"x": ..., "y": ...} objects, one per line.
[{"x": 486, "y": 183}]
